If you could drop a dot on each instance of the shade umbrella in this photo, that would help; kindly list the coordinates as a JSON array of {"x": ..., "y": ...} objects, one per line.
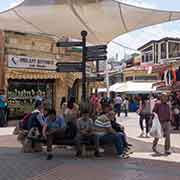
[
  {"x": 136, "y": 87},
  {"x": 103, "y": 19}
]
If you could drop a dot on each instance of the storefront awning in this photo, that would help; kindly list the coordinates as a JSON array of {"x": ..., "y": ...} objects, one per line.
[
  {"x": 68, "y": 78},
  {"x": 32, "y": 74},
  {"x": 103, "y": 19}
]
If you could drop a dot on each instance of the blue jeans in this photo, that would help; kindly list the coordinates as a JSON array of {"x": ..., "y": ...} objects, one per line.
[{"x": 116, "y": 139}]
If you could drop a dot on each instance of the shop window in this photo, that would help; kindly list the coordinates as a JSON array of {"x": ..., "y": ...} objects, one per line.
[
  {"x": 174, "y": 49},
  {"x": 163, "y": 51},
  {"x": 22, "y": 95}
]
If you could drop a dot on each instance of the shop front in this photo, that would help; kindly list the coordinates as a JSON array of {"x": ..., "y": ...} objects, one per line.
[
  {"x": 22, "y": 95},
  {"x": 28, "y": 71},
  {"x": 29, "y": 79}
]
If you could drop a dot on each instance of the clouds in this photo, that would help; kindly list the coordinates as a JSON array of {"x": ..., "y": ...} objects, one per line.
[
  {"x": 137, "y": 38},
  {"x": 14, "y": 3},
  {"x": 140, "y": 3}
]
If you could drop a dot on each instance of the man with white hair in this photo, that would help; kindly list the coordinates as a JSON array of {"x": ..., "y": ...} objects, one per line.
[{"x": 162, "y": 109}]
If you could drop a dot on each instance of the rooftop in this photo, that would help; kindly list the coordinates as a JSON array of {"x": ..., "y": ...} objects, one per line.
[{"x": 157, "y": 41}]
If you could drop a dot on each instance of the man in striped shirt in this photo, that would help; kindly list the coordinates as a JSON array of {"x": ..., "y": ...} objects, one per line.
[{"x": 106, "y": 134}]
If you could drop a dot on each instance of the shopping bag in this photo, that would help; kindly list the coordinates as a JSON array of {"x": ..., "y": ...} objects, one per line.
[{"x": 156, "y": 130}]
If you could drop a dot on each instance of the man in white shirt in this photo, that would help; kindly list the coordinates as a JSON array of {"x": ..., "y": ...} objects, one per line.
[{"x": 117, "y": 105}]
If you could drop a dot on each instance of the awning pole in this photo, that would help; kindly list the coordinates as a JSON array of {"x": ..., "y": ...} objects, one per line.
[{"x": 107, "y": 79}]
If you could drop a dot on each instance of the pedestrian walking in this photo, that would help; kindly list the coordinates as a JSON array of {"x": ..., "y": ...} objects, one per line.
[
  {"x": 117, "y": 105},
  {"x": 163, "y": 111},
  {"x": 126, "y": 106},
  {"x": 145, "y": 114}
]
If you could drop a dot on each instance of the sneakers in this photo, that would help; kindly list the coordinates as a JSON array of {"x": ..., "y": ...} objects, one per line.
[
  {"x": 129, "y": 145},
  {"x": 49, "y": 157},
  {"x": 155, "y": 150},
  {"x": 142, "y": 134},
  {"x": 123, "y": 156},
  {"x": 101, "y": 150},
  {"x": 129, "y": 152},
  {"x": 167, "y": 153}
]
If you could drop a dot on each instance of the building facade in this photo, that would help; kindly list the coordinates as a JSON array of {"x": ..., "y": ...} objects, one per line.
[
  {"x": 164, "y": 55},
  {"x": 162, "y": 51},
  {"x": 28, "y": 70}
]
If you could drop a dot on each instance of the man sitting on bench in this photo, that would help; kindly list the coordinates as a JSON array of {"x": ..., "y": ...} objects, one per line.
[
  {"x": 54, "y": 128},
  {"x": 85, "y": 133}
]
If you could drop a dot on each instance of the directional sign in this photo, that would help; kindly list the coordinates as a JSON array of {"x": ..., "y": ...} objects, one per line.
[
  {"x": 96, "y": 53},
  {"x": 97, "y": 58},
  {"x": 94, "y": 79},
  {"x": 101, "y": 52},
  {"x": 69, "y": 67},
  {"x": 96, "y": 48},
  {"x": 68, "y": 44}
]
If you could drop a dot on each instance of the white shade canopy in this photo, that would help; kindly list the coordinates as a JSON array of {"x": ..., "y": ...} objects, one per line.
[
  {"x": 133, "y": 87},
  {"x": 103, "y": 19}
]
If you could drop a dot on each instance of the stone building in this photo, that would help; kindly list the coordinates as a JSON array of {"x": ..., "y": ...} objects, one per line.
[{"x": 28, "y": 70}]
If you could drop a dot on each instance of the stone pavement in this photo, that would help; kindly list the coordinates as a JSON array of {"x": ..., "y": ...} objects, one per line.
[{"x": 142, "y": 165}]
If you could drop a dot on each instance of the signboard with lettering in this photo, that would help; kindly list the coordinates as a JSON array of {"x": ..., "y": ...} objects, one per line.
[
  {"x": 96, "y": 48},
  {"x": 31, "y": 62},
  {"x": 68, "y": 44},
  {"x": 96, "y": 53},
  {"x": 69, "y": 67},
  {"x": 95, "y": 79}
]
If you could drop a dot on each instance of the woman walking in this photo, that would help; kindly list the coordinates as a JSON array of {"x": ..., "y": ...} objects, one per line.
[{"x": 145, "y": 114}]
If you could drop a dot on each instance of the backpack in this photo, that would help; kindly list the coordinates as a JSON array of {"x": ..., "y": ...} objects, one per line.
[
  {"x": 23, "y": 124},
  {"x": 33, "y": 121}
]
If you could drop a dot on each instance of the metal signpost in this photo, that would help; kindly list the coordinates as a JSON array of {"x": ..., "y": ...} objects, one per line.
[{"x": 91, "y": 53}]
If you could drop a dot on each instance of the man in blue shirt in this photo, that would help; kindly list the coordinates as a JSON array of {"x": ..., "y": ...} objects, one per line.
[{"x": 53, "y": 129}]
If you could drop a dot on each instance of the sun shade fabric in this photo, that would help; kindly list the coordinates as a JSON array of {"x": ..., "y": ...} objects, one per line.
[
  {"x": 133, "y": 87},
  {"x": 103, "y": 19}
]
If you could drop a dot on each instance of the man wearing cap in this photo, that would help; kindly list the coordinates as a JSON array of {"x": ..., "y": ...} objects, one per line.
[{"x": 162, "y": 109}]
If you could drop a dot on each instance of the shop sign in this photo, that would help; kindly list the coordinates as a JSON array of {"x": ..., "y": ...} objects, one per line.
[{"x": 31, "y": 62}]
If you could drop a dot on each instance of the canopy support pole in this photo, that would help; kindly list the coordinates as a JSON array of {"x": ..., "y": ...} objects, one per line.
[{"x": 107, "y": 79}]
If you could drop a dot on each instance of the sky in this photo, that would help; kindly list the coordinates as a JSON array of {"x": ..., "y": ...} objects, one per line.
[
  {"x": 138, "y": 37},
  {"x": 6, "y": 4}
]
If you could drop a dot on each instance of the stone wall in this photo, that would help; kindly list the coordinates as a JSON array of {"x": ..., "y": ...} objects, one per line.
[{"x": 39, "y": 46}]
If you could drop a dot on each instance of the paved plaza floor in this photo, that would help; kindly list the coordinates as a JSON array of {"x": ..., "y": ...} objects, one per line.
[{"x": 142, "y": 165}]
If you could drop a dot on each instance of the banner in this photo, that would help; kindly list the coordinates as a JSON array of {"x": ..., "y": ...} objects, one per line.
[{"x": 31, "y": 62}]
